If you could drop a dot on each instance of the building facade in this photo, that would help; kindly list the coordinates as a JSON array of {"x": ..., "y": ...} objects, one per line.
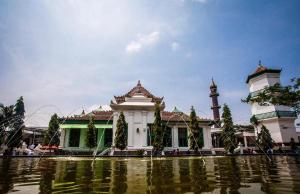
[
  {"x": 280, "y": 120},
  {"x": 138, "y": 106}
]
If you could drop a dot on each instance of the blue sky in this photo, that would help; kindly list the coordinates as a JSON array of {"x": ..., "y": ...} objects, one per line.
[{"x": 68, "y": 55}]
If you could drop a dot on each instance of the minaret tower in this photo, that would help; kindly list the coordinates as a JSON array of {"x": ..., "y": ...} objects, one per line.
[
  {"x": 280, "y": 120},
  {"x": 214, "y": 98}
]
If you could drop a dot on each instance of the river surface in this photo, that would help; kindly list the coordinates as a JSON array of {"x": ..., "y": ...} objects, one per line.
[{"x": 236, "y": 174}]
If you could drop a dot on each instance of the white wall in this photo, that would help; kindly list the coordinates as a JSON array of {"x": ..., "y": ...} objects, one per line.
[
  {"x": 257, "y": 109},
  {"x": 207, "y": 138},
  {"x": 258, "y": 83},
  {"x": 267, "y": 79},
  {"x": 136, "y": 119},
  {"x": 273, "y": 126},
  {"x": 139, "y": 119},
  {"x": 288, "y": 129}
]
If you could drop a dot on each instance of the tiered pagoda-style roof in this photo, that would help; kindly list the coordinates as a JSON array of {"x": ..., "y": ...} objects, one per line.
[
  {"x": 178, "y": 116},
  {"x": 261, "y": 69},
  {"x": 138, "y": 90},
  {"x": 174, "y": 116}
]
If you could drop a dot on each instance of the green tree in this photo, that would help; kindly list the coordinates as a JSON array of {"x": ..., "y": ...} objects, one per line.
[
  {"x": 17, "y": 126},
  {"x": 227, "y": 134},
  {"x": 254, "y": 122},
  {"x": 52, "y": 136},
  {"x": 2, "y": 117},
  {"x": 120, "y": 136},
  {"x": 196, "y": 133},
  {"x": 264, "y": 139},
  {"x": 6, "y": 119},
  {"x": 278, "y": 95},
  {"x": 158, "y": 143},
  {"x": 293, "y": 144},
  {"x": 91, "y": 134}
]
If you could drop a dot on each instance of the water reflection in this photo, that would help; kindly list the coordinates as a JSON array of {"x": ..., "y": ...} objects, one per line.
[
  {"x": 119, "y": 176},
  {"x": 252, "y": 174}
]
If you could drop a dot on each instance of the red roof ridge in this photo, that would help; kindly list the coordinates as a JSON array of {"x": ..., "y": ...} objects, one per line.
[
  {"x": 260, "y": 68},
  {"x": 135, "y": 90}
]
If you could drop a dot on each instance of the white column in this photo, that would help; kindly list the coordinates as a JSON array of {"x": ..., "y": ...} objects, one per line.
[
  {"x": 175, "y": 136},
  {"x": 115, "y": 118},
  {"x": 130, "y": 129},
  {"x": 204, "y": 138},
  {"x": 245, "y": 142},
  {"x": 207, "y": 138},
  {"x": 143, "y": 131},
  {"x": 62, "y": 138}
]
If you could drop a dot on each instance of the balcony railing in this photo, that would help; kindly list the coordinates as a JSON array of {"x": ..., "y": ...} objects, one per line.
[
  {"x": 254, "y": 94},
  {"x": 278, "y": 114}
]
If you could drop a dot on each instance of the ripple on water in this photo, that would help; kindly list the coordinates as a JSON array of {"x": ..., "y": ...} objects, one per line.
[{"x": 249, "y": 174}]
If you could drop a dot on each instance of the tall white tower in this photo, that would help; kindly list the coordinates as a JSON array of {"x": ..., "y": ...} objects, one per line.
[{"x": 280, "y": 120}]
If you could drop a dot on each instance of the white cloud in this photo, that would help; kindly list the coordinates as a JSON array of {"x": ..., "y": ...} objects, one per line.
[
  {"x": 78, "y": 49},
  {"x": 175, "y": 46},
  {"x": 142, "y": 41},
  {"x": 188, "y": 55},
  {"x": 133, "y": 47}
]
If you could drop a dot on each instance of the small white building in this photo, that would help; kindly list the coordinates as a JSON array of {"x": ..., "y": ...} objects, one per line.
[
  {"x": 138, "y": 106},
  {"x": 280, "y": 120}
]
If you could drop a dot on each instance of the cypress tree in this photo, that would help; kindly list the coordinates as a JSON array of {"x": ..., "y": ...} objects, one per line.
[
  {"x": 91, "y": 134},
  {"x": 15, "y": 135},
  {"x": 2, "y": 117},
  {"x": 196, "y": 133},
  {"x": 254, "y": 122},
  {"x": 158, "y": 143},
  {"x": 52, "y": 135},
  {"x": 227, "y": 134},
  {"x": 6, "y": 118},
  {"x": 264, "y": 138},
  {"x": 120, "y": 135},
  {"x": 293, "y": 144}
]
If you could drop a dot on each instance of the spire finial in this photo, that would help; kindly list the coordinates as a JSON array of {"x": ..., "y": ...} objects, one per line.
[
  {"x": 139, "y": 83},
  {"x": 259, "y": 63},
  {"x": 212, "y": 83}
]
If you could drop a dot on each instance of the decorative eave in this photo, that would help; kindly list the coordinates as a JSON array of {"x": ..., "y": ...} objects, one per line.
[
  {"x": 167, "y": 116},
  {"x": 122, "y": 107},
  {"x": 260, "y": 70},
  {"x": 97, "y": 115}
]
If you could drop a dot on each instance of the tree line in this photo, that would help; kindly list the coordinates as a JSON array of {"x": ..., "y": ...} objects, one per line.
[{"x": 12, "y": 124}]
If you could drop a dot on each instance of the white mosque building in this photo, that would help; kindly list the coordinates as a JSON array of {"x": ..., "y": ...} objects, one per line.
[{"x": 138, "y": 106}]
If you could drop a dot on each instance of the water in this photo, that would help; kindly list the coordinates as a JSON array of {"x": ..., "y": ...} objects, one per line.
[{"x": 247, "y": 174}]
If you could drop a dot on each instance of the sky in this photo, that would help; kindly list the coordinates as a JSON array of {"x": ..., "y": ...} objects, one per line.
[{"x": 66, "y": 56}]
